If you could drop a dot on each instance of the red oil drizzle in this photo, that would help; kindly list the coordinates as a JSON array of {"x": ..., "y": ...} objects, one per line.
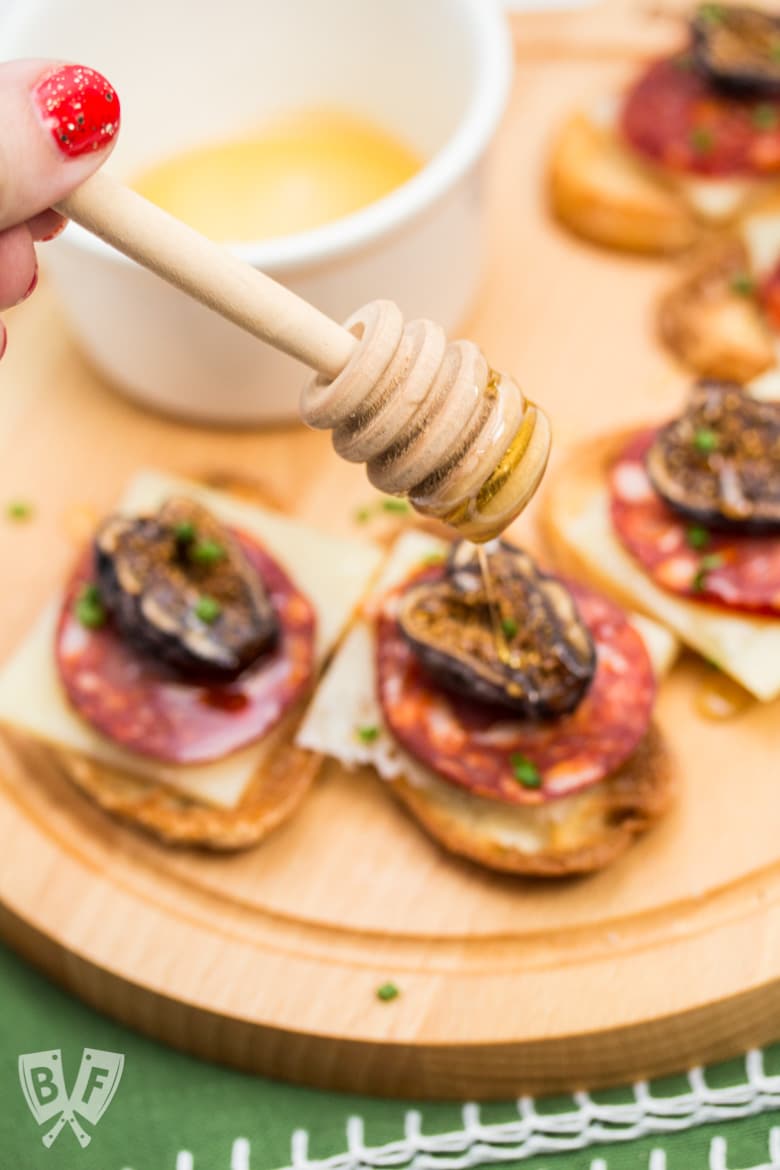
[{"x": 224, "y": 700}]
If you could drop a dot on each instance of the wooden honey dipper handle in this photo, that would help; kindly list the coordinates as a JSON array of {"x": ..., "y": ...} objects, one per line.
[{"x": 209, "y": 273}]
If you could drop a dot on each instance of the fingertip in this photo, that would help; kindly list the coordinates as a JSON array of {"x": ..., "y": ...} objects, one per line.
[{"x": 3, "y": 340}]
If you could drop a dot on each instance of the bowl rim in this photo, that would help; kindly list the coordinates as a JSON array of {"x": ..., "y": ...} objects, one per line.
[{"x": 489, "y": 28}]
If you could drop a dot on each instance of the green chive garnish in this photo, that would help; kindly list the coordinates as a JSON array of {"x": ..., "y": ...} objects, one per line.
[
  {"x": 764, "y": 116},
  {"x": 89, "y": 609},
  {"x": 701, "y": 139},
  {"x": 697, "y": 537},
  {"x": 368, "y": 733},
  {"x": 362, "y": 515},
  {"x": 705, "y": 567},
  {"x": 509, "y": 627},
  {"x": 705, "y": 441},
  {"x": 525, "y": 771},
  {"x": 207, "y": 609},
  {"x": 434, "y": 559},
  {"x": 710, "y": 13},
  {"x": 184, "y": 532},
  {"x": 743, "y": 284},
  {"x": 206, "y": 552},
  {"x": 774, "y": 50},
  {"x": 387, "y": 992},
  {"x": 392, "y": 504},
  {"x": 19, "y": 511}
]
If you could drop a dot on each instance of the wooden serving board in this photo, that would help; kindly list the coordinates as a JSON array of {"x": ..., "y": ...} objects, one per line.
[{"x": 270, "y": 960}]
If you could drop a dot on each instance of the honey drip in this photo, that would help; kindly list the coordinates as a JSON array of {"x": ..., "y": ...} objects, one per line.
[
  {"x": 497, "y": 619},
  {"x": 720, "y": 698}
]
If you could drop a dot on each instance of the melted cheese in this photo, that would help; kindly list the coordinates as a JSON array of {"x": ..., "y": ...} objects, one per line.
[
  {"x": 745, "y": 647},
  {"x": 346, "y": 700},
  {"x": 333, "y": 573}
]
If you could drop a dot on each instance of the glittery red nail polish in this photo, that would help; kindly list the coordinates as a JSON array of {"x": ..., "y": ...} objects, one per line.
[{"x": 79, "y": 107}]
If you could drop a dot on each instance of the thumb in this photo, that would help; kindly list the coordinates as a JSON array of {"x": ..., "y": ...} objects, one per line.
[{"x": 57, "y": 125}]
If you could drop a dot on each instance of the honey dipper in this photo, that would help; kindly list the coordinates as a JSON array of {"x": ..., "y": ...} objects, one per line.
[{"x": 430, "y": 419}]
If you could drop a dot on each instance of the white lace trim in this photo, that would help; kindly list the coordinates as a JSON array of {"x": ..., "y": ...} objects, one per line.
[{"x": 536, "y": 1133}]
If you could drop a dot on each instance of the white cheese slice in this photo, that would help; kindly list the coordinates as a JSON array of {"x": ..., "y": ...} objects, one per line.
[
  {"x": 767, "y": 386},
  {"x": 761, "y": 233},
  {"x": 346, "y": 699},
  {"x": 334, "y": 573},
  {"x": 745, "y": 647}
]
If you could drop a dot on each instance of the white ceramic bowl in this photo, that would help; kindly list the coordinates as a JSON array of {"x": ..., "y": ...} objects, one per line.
[{"x": 435, "y": 72}]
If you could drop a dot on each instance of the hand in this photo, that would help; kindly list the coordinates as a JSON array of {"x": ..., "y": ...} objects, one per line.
[{"x": 58, "y": 124}]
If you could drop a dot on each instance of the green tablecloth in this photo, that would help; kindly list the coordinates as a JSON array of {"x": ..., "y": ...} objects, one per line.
[{"x": 170, "y": 1112}]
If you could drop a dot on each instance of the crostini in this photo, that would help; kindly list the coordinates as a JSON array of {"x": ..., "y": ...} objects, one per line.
[
  {"x": 689, "y": 145},
  {"x": 682, "y": 522},
  {"x": 170, "y": 675},
  {"x": 518, "y": 731}
]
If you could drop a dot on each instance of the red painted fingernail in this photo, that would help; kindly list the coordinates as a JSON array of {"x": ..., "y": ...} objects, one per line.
[
  {"x": 3, "y": 339},
  {"x": 60, "y": 228},
  {"x": 79, "y": 108},
  {"x": 31, "y": 287}
]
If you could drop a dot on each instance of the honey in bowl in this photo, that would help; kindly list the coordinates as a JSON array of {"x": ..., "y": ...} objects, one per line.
[{"x": 299, "y": 172}]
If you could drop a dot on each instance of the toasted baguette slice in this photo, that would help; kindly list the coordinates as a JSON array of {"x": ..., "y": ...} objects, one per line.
[
  {"x": 709, "y": 325},
  {"x": 601, "y": 192},
  {"x": 575, "y": 834},
  {"x": 578, "y": 834},
  {"x": 277, "y": 788},
  {"x": 577, "y": 525}
]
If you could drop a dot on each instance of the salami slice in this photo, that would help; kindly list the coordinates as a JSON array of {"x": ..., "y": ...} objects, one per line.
[
  {"x": 674, "y": 117},
  {"x": 729, "y": 570},
  {"x": 145, "y": 707},
  {"x": 478, "y": 747}
]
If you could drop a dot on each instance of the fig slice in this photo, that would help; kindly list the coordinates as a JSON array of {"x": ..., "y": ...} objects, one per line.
[
  {"x": 738, "y": 48},
  {"x": 719, "y": 462},
  {"x": 525, "y": 649},
  {"x": 180, "y": 588}
]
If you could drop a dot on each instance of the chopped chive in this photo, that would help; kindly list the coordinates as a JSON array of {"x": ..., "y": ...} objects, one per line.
[
  {"x": 206, "y": 552},
  {"x": 705, "y": 441},
  {"x": 705, "y": 567},
  {"x": 697, "y": 537},
  {"x": 207, "y": 609},
  {"x": 713, "y": 664},
  {"x": 764, "y": 117},
  {"x": 743, "y": 284},
  {"x": 368, "y": 733},
  {"x": 393, "y": 504},
  {"x": 184, "y": 532},
  {"x": 525, "y": 771},
  {"x": 434, "y": 558},
  {"x": 509, "y": 627},
  {"x": 711, "y": 13},
  {"x": 362, "y": 515},
  {"x": 387, "y": 992},
  {"x": 19, "y": 511},
  {"x": 701, "y": 139},
  {"x": 89, "y": 609},
  {"x": 774, "y": 50}
]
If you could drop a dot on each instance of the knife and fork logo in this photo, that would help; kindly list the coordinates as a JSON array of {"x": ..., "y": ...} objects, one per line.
[{"x": 42, "y": 1078}]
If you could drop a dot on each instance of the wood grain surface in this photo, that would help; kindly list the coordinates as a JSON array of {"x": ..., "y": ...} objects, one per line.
[{"x": 270, "y": 960}]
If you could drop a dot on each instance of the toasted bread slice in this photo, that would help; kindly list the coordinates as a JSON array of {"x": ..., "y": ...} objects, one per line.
[
  {"x": 601, "y": 192},
  {"x": 709, "y": 324},
  {"x": 577, "y": 526},
  {"x": 575, "y": 835},
  {"x": 277, "y": 788}
]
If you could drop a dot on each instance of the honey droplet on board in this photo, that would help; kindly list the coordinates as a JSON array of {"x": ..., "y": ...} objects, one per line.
[{"x": 720, "y": 697}]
